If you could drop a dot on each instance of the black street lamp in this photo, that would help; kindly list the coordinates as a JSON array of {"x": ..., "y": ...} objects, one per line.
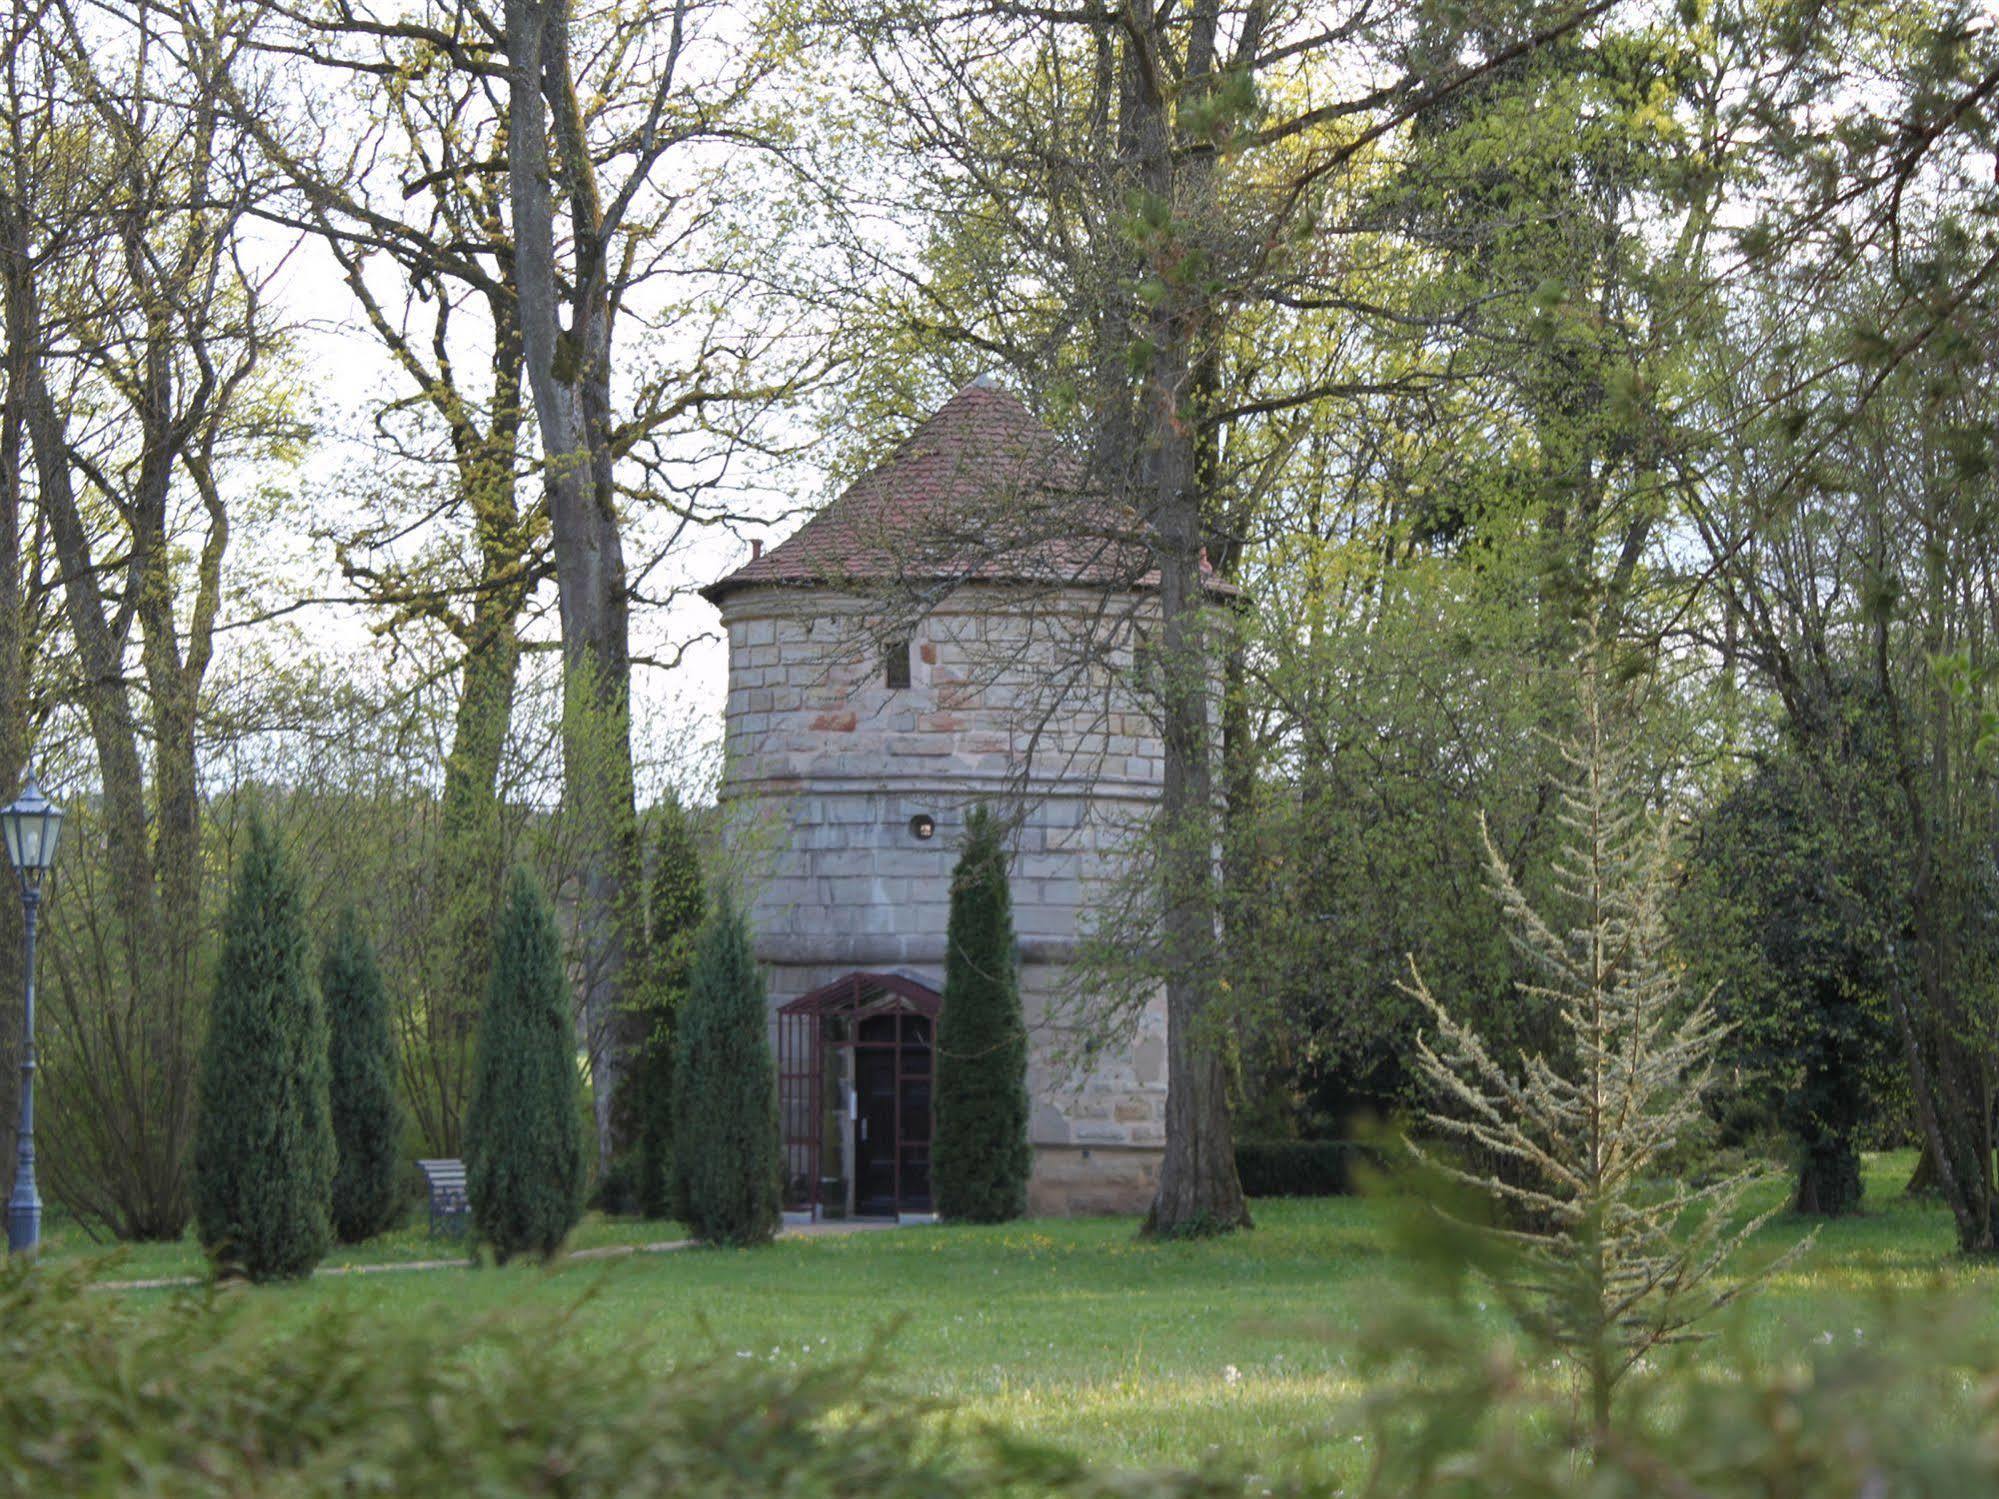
[{"x": 31, "y": 825}]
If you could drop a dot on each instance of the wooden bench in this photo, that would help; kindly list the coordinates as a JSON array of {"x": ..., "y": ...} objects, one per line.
[{"x": 450, "y": 1208}]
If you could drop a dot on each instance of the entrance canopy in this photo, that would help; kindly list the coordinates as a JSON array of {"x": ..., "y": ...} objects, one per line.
[
  {"x": 854, "y": 1089},
  {"x": 859, "y": 992}
]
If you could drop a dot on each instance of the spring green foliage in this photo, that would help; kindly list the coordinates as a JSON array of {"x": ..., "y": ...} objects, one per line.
[
  {"x": 525, "y": 1161},
  {"x": 980, "y": 1156},
  {"x": 728, "y": 1162},
  {"x": 263, "y": 1145},
  {"x": 1615, "y": 1259},
  {"x": 679, "y": 900},
  {"x": 367, "y": 1115}
]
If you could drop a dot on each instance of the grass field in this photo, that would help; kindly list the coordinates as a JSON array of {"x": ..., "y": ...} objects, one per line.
[
  {"x": 1077, "y": 1332},
  {"x": 65, "y": 1243}
]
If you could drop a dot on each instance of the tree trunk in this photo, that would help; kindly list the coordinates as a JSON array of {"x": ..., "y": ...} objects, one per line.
[
  {"x": 1199, "y": 1191},
  {"x": 468, "y": 865},
  {"x": 1924, "y": 1179},
  {"x": 470, "y": 852},
  {"x": 569, "y": 372}
]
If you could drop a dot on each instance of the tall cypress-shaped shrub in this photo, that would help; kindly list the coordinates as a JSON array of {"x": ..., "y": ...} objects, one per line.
[
  {"x": 727, "y": 1155},
  {"x": 979, "y": 1156},
  {"x": 525, "y": 1155},
  {"x": 367, "y": 1117},
  {"x": 263, "y": 1144},
  {"x": 679, "y": 898}
]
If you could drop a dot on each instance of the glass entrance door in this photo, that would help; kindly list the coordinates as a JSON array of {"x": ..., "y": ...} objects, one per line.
[{"x": 891, "y": 1115}]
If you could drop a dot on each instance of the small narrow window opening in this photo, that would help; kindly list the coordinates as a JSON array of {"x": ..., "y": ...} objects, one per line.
[{"x": 896, "y": 662}]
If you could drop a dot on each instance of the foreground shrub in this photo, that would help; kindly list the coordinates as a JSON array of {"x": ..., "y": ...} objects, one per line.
[
  {"x": 201, "y": 1396},
  {"x": 525, "y": 1164},
  {"x": 367, "y": 1118},
  {"x": 1896, "y": 1402},
  {"x": 728, "y": 1160},
  {"x": 263, "y": 1144},
  {"x": 980, "y": 1157}
]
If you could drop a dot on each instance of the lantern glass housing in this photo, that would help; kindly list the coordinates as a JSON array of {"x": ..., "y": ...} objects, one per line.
[{"x": 32, "y": 825}]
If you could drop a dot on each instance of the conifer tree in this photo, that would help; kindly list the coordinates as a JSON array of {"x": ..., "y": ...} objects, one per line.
[
  {"x": 263, "y": 1147},
  {"x": 679, "y": 899},
  {"x": 367, "y": 1116},
  {"x": 526, "y": 1162},
  {"x": 1606, "y": 1258},
  {"x": 728, "y": 1160},
  {"x": 980, "y": 1157}
]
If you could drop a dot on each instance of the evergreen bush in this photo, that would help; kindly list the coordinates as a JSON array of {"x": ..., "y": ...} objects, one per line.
[
  {"x": 1791, "y": 917},
  {"x": 526, "y": 1162},
  {"x": 194, "y": 1398},
  {"x": 367, "y": 1116},
  {"x": 1297, "y": 1168},
  {"x": 727, "y": 1154},
  {"x": 263, "y": 1144},
  {"x": 980, "y": 1157},
  {"x": 679, "y": 900}
]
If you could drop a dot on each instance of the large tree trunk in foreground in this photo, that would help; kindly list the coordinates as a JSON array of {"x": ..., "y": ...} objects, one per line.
[
  {"x": 1199, "y": 1191},
  {"x": 569, "y": 371}
]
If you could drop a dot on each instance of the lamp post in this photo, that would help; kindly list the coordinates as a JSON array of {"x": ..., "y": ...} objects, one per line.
[{"x": 31, "y": 825}]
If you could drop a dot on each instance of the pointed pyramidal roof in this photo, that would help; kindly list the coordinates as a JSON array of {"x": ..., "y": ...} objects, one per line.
[{"x": 980, "y": 492}]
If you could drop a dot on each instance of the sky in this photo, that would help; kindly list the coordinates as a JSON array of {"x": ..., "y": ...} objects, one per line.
[{"x": 677, "y": 712}]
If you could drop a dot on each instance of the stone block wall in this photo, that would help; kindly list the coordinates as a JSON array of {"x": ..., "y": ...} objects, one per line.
[{"x": 827, "y": 766}]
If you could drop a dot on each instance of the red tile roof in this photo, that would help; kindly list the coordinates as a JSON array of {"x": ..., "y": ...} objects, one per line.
[{"x": 980, "y": 492}]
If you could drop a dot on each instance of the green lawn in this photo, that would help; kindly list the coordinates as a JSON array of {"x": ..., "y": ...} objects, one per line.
[
  {"x": 65, "y": 1243},
  {"x": 1076, "y": 1331}
]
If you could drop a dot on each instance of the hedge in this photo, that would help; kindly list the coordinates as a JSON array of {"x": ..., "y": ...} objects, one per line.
[{"x": 1296, "y": 1168}]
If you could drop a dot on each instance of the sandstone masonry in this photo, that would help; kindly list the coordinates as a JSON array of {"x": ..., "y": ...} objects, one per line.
[{"x": 1016, "y": 696}]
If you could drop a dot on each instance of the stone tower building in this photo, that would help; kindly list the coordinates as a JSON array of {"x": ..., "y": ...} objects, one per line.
[{"x": 960, "y": 625}]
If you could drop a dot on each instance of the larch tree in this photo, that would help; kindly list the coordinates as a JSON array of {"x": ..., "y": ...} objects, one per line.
[{"x": 1611, "y": 1256}]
